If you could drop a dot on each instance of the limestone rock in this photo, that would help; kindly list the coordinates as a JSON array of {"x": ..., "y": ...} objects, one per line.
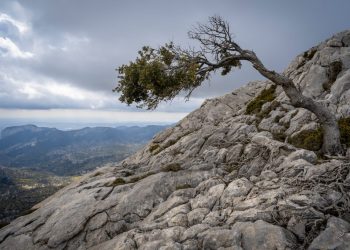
[{"x": 215, "y": 180}]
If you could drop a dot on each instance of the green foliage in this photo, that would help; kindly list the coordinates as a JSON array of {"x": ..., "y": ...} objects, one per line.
[
  {"x": 155, "y": 148},
  {"x": 266, "y": 95},
  {"x": 344, "y": 127},
  {"x": 172, "y": 167},
  {"x": 313, "y": 139},
  {"x": 231, "y": 167},
  {"x": 117, "y": 182},
  {"x": 184, "y": 186},
  {"x": 280, "y": 136},
  {"x": 157, "y": 75},
  {"x": 308, "y": 139}
]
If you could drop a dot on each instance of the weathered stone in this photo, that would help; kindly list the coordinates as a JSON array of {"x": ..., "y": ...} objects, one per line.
[
  {"x": 236, "y": 188},
  {"x": 335, "y": 236},
  {"x": 263, "y": 236},
  {"x": 197, "y": 215}
]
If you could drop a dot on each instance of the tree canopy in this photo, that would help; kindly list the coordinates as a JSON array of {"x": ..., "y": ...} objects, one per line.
[{"x": 161, "y": 74}]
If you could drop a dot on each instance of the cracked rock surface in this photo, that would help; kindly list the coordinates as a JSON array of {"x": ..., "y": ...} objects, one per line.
[{"x": 219, "y": 179}]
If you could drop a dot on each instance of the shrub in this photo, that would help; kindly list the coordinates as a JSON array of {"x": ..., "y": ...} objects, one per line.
[
  {"x": 154, "y": 147},
  {"x": 172, "y": 167},
  {"x": 117, "y": 182},
  {"x": 266, "y": 95},
  {"x": 184, "y": 186},
  {"x": 308, "y": 139},
  {"x": 344, "y": 127}
]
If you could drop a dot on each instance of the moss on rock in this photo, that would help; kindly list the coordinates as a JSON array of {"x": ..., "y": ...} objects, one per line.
[
  {"x": 172, "y": 167},
  {"x": 308, "y": 139},
  {"x": 344, "y": 127},
  {"x": 184, "y": 186},
  {"x": 266, "y": 95},
  {"x": 117, "y": 182}
]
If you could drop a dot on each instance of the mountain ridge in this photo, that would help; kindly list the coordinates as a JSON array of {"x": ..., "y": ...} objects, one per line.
[
  {"x": 221, "y": 178},
  {"x": 73, "y": 151}
]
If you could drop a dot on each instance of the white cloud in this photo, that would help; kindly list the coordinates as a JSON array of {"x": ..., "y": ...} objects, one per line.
[
  {"x": 30, "y": 92},
  {"x": 21, "y": 26},
  {"x": 9, "y": 48}
]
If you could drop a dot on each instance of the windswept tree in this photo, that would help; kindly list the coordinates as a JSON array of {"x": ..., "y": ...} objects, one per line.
[{"x": 161, "y": 74}]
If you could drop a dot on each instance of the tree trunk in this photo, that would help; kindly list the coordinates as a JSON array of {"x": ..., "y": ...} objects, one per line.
[{"x": 331, "y": 135}]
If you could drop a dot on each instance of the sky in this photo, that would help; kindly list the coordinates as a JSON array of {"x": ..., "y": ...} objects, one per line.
[{"x": 58, "y": 58}]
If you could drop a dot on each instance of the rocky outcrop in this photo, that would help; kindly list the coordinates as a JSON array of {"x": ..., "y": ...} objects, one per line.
[{"x": 219, "y": 179}]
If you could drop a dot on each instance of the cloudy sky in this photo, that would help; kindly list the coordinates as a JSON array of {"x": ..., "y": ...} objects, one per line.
[{"x": 58, "y": 58}]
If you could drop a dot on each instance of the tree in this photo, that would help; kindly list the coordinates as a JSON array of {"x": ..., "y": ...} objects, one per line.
[{"x": 161, "y": 74}]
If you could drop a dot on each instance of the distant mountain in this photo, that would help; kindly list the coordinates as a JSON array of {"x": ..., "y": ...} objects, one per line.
[
  {"x": 41, "y": 160},
  {"x": 70, "y": 152}
]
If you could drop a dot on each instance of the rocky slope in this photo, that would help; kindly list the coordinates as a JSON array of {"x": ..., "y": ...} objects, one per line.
[{"x": 219, "y": 179}]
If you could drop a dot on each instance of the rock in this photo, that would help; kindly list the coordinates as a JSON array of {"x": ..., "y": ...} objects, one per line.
[
  {"x": 215, "y": 239},
  {"x": 335, "y": 236},
  {"x": 262, "y": 235},
  {"x": 197, "y": 215},
  {"x": 297, "y": 227},
  {"x": 234, "y": 153},
  {"x": 268, "y": 175},
  {"x": 307, "y": 155},
  {"x": 236, "y": 188},
  {"x": 334, "y": 43}
]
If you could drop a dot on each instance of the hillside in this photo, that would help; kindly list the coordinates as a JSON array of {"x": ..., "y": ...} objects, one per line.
[
  {"x": 70, "y": 152},
  {"x": 231, "y": 175},
  {"x": 21, "y": 189}
]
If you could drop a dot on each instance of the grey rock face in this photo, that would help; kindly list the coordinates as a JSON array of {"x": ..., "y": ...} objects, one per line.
[{"x": 219, "y": 179}]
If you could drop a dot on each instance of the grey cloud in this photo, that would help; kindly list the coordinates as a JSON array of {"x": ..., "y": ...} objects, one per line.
[{"x": 115, "y": 30}]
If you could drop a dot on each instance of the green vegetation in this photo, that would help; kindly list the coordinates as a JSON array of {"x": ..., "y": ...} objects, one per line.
[
  {"x": 308, "y": 139},
  {"x": 23, "y": 188},
  {"x": 266, "y": 95},
  {"x": 313, "y": 139},
  {"x": 117, "y": 182},
  {"x": 344, "y": 127},
  {"x": 148, "y": 80},
  {"x": 184, "y": 186},
  {"x": 281, "y": 136},
  {"x": 120, "y": 181},
  {"x": 231, "y": 167},
  {"x": 154, "y": 148},
  {"x": 172, "y": 167}
]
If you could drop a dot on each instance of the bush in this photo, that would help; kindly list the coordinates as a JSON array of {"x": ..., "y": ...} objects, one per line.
[
  {"x": 266, "y": 95},
  {"x": 344, "y": 127},
  {"x": 308, "y": 139},
  {"x": 172, "y": 167},
  {"x": 117, "y": 182},
  {"x": 153, "y": 147}
]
